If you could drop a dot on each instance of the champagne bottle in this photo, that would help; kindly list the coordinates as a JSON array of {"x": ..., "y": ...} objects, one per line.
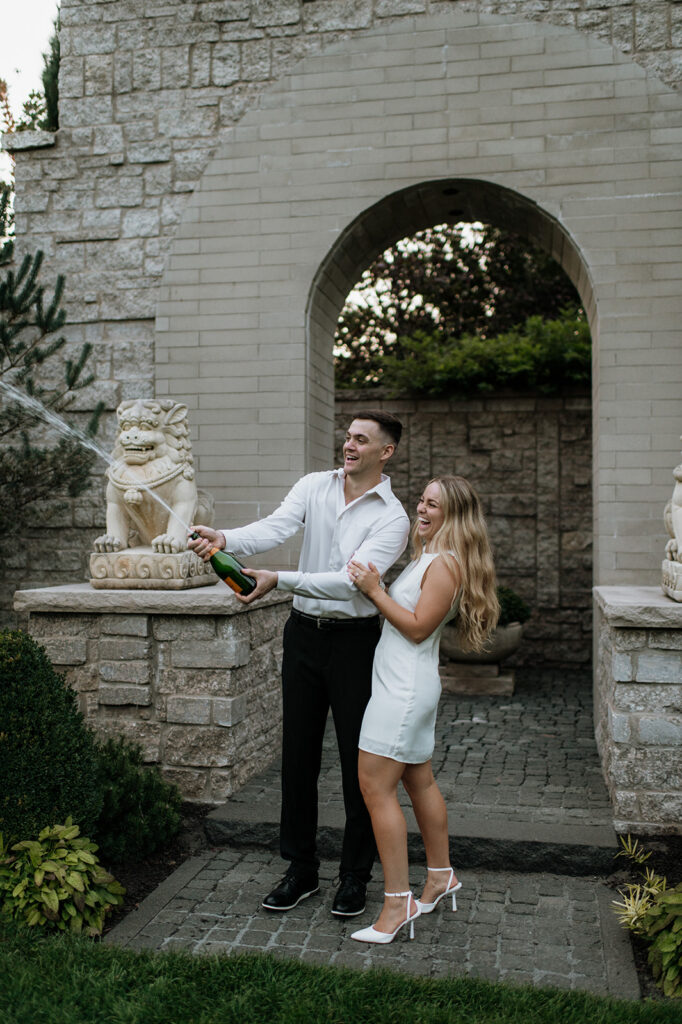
[{"x": 230, "y": 570}]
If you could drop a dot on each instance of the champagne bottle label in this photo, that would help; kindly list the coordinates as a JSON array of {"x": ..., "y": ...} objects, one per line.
[{"x": 227, "y": 567}]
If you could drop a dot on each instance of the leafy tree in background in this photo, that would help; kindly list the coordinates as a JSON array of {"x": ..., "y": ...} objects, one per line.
[
  {"x": 36, "y": 469},
  {"x": 50, "y": 78},
  {"x": 539, "y": 355},
  {"x": 34, "y": 112},
  {"x": 446, "y": 282},
  {"x": 41, "y": 109}
]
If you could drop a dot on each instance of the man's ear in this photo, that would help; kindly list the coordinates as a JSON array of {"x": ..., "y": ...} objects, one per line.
[{"x": 387, "y": 452}]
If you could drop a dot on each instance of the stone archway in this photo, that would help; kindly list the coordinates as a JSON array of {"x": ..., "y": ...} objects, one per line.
[
  {"x": 413, "y": 209},
  {"x": 561, "y": 132}
]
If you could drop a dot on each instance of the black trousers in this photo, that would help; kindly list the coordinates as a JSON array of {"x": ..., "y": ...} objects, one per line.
[{"x": 324, "y": 668}]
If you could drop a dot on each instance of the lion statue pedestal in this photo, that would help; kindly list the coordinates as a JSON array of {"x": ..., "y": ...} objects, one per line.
[
  {"x": 152, "y": 499},
  {"x": 142, "y": 568}
]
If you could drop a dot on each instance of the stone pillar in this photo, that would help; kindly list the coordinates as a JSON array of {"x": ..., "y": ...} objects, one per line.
[
  {"x": 191, "y": 675},
  {"x": 638, "y": 706}
]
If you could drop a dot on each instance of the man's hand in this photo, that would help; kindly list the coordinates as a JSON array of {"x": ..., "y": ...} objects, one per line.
[
  {"x": 206, "y": 541},
  {"x": 265, "y": 582}
]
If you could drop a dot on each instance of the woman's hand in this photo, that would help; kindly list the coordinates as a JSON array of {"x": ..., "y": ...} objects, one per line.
[{"x": 365, "y": 578}]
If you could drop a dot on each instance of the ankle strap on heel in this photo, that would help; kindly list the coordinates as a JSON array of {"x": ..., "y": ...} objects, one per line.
[
  {"x": 439, "y": 869},
  {"x": 408, "y": 893}
]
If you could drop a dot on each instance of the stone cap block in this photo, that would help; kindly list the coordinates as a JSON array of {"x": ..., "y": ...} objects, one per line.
[
  {"x": 12, "y": 142},
  {"x": 82, "y": 598},
  {"x": 638, "y": 607}
]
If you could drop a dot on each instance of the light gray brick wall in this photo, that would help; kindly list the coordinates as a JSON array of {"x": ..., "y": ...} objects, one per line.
[{"x": 536, "y": 127}]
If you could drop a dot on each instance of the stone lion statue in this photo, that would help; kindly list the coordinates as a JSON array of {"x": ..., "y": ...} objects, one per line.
[{"x": 151, "y": 494}]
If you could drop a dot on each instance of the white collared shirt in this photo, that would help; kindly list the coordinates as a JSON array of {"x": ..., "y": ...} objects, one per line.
[{"x": 372, "y": 528}]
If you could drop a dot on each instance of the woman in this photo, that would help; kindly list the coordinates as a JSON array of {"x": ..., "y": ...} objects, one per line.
[{"x": 451, "y": 573}]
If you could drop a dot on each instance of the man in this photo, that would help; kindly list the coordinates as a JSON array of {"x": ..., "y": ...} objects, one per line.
[{"x": 329, "y": 643}]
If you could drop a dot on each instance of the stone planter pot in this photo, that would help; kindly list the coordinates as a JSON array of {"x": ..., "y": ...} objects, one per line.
[{"x": 503, "y": 642}]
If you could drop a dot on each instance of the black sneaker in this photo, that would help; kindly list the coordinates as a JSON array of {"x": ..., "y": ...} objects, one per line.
[
  {"x": 350, "y": 897},
  {"x": 290, "y": 891}
]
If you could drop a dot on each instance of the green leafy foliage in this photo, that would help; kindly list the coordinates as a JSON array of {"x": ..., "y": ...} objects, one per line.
[
  {"x": 40, "y": 111},
  {"x": 34, "y": 113},
  {"x": 512, "y": 607},
  {"x": 654, "y": 911},
  {"x": 56, "y": 881},
  {"x": 542, "y": 356},
  {"x": 47, "y": 754},
  {"x": 633, "y": 850},
  {"x": 50, "y": 79},
  {"x": 661, "y": 925},
  {"x": 140, "y": 810},
  {"x": 35, "y": 471},
  {"x": 447, "y": 282}
]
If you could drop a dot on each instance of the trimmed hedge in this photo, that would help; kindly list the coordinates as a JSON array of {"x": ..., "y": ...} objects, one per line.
[
  {"x": 542, "y": 355},
  {"x": 140, "y": 810},
  {"x": 47, "y": 754}
]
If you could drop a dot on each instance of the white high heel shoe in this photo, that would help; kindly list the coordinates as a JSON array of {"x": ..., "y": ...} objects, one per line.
[
  {"x": 372, "y": 935},
  {"x": 427, "y": 908}
]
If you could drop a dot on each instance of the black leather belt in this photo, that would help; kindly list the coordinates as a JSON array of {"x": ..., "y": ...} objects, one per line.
[{"x": 320, "y": 622}]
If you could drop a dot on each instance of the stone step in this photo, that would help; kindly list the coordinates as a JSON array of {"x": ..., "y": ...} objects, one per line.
[{"x": 483, "y": 842}]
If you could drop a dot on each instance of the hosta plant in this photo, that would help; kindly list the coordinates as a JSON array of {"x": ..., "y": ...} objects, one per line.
[
  {"x": 661, "y": 925},
  {"x": 653, "y": 911},
  {"x": 57, "y": 881}
]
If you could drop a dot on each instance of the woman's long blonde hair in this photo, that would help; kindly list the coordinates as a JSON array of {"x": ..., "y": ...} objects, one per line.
[{"x": 463, "y": 543}]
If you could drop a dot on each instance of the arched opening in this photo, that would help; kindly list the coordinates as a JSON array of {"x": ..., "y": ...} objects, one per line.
[
  {"x": 302, "y": 196},
  {"x": 529, "y": 456},
  {"x": 412, "y": 209}
]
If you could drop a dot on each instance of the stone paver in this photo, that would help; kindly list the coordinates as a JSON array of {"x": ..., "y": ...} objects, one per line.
[
  {"x": 511, "y": 762},
  {"x": 538, "y": 929},
  {"x": 530, "y": 757}
]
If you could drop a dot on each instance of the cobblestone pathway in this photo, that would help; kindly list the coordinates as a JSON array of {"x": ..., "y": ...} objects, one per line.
[
  {"x": 528, "y": 759},
  {"x": 538, "y": 929}
]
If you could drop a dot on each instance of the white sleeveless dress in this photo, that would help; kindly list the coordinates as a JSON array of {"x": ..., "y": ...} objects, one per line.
[{"x": 400, "y": 718}]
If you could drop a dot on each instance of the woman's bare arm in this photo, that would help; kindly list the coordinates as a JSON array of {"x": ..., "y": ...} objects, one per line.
[{"x": 437, "y": 592}]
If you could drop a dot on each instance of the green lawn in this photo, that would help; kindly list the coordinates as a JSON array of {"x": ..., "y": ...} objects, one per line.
[{"x": 65, "y": 980}]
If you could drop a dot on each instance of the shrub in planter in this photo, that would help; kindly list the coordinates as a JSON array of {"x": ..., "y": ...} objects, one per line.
[
  {"x": 57, "y": 881},
  {"x": 140, "y": 810},
  {"x": 503, "y": 640},
  {"x": 654, "y": 911},
  {"x": 47, "y": 754},
  {"x": 512, "y": 607}
]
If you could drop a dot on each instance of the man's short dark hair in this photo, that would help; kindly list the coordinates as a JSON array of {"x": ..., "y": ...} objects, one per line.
[{"x": 389, "y": 423}]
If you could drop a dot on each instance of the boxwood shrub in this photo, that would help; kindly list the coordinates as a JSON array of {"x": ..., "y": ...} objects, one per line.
[{"x": 47, "y": 753}]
